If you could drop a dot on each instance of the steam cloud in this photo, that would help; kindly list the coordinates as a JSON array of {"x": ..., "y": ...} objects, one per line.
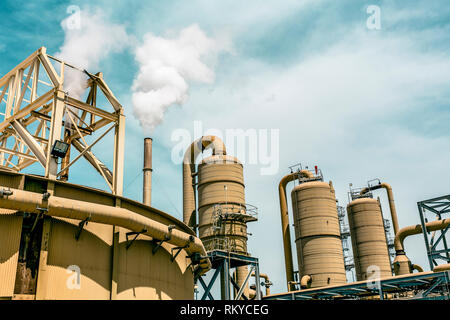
[
  {"x": 86, "y": 43},
  {"x": 166, "y": 66}
]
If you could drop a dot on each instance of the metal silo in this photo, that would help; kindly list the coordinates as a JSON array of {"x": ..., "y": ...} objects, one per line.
[
  {"x": 370, "y": 250},
  {"x": 222, "y": 212},
  {"x": 317, "y": 234},
  {"x": 221, "y": 204}
]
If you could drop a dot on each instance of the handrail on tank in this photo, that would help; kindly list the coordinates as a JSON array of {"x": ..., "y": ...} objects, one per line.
[
  {"x": 285, "y": 223},
  {"x": 190, "y": 156}
]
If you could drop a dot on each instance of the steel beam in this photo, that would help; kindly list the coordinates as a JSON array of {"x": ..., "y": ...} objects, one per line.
[{"x": 30, "y": 142}]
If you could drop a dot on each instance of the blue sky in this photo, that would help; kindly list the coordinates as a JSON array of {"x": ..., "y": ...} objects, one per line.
[{"x": 359, "y": 103}]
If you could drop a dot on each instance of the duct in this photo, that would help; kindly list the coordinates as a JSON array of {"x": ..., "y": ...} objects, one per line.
[
  {"x": 416, "y": 229},
  {"x": 402, "y": 265},
  {"x": 390, "y": 196},
  {"x": 442, "y": 267},
  {"x": 191, "y": 154},
  {"x": 305, "y": 282},
  {"x": 417, "y": 267},
  {"x": 147, "y": 171},
  {"x": 285, "y": 224},
  {"x": 80, "y": 210}
]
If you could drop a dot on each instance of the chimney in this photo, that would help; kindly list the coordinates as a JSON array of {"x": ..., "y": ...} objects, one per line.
[{"x": 147, "y": 189}]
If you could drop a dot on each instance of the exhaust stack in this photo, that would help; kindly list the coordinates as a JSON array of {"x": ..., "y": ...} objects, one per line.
[{"x": 147, "y": 185}]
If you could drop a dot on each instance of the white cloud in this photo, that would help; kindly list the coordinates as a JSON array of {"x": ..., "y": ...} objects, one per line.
[
  {"x": 343, "y": 110},
  {"x": 86, "y": 43},
  {"x": 166, "y": 68}
]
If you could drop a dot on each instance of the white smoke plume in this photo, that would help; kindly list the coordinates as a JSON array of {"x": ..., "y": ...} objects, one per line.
[
  {"x": 167, "y": 66},
  {"x": 87, "y": 41}
]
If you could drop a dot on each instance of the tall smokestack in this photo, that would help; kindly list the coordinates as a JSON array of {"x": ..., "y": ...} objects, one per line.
[{"x": 147, "y": 190}]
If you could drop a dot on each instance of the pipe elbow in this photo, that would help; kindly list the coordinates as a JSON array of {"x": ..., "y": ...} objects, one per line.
[
  {"x": 403, "y": 233},
  {"x": 305, "y": 282},
  {"x": 202, "y": 144},
  {"x": 417, "y": 267}
]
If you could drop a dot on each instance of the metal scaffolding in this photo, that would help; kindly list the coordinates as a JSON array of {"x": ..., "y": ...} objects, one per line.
[
  {"x": 223, "y": 262},
  {"x": 36, "y": 115},
  {"x": 436, "y": 243},
  {"x": 422, "y": 286}
]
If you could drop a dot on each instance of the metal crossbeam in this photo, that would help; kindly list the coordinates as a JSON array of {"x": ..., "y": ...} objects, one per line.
[
  {"x": 33, "y": 117},
  {"x": 211, "y": 283},
  {"x": 429, "y": 282}
]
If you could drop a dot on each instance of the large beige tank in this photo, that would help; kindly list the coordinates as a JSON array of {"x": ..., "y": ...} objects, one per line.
[
  {"x": 222, "y": 212},
  {"x": 221, "y": 204},
  {"x": 317, "y": 234},
  {"x": 370, "y": 250},
  {"x": 39, "y": 258}
]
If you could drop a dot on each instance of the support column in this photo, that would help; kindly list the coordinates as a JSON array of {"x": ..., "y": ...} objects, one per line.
[
  {"x": 119, "y": 150},
  {"x": 225, "y": 281},
  {"x": 51, "y": 168},
  {"x": 258, "y": 282}
]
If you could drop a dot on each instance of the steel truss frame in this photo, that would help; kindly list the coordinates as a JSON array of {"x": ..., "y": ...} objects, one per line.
[
  {"x": 428, "y": 286},
  {"x": 222, "y": 262},
  {"x": 35, "y": 112},
  {"x": 439, "y": 206}
]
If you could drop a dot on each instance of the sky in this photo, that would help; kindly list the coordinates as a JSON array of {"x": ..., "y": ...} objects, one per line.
[{"x": 358, "y": 102}]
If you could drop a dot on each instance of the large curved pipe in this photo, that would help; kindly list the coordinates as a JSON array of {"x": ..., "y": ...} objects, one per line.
[
  {"x": 442, "y": 267},
  {"x": 417, "y": 267},
  {"x": 402, "y": 265},
  {"x": 80, "y": 210},
  {"x": 416, "y": 229},
  {"x": 285, "y": 224},
  {"x": 305, "y": 281},
  {"x": 191, "y": 154},
  {"x": 390, "y": 196}
]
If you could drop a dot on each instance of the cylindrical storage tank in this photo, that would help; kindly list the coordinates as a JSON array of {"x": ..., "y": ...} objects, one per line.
[
  {"x": 221, "y": 203},
  {"x": 370, "y": 250},
  {"x": 317, "y": 234},
  {"x": 220, "y": 194},
  {"x": 52, "y": 258}
]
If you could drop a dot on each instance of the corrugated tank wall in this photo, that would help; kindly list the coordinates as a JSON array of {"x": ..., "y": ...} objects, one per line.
[
  {"x": 91, "y": 254},
  {"x": 144, "y": 275},
  {"x": 10, "y": 233},
  {"x": 108, "y": 270},
  {"x": 317, "y": 234},
  {"x": 370, "y": 249}
]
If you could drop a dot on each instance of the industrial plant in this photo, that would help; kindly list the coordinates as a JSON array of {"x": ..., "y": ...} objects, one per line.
[{"x": 65, "y": 241}]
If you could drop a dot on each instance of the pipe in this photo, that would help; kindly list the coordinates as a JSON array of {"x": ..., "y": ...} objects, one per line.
[
  {"x": 80, "y": 210},
  {"x": 416, "y": 229},
  {"x": 402, "y": 265},
  {"x": 305, "y": 282},
  {"x": 147, "y": 171},
  {"x": 390, "y": 196},
  {"x": 417, "y": 267},
  {"x": 191, "y": 154},
  {"x": 285, "y": 224},
  {"x": 267, "y": 282},
  {"x": 442, "y": 267}
]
